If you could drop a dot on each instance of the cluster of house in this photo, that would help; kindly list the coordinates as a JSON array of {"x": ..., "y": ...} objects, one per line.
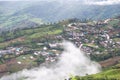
[
  {"x": 86, "y": 36},
  {"x": 12, "y": 50},
  {"x": 49, "y": 56},
  {"x": 90, "y": 33}
]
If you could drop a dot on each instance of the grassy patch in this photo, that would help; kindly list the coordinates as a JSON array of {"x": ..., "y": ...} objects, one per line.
[
  {"x": 116, "y": 39},
  {"x": 36, "y": 20},
  {"x": 91, "y": 45},
  {"x": 113, "y": 22},
  {"x": 27, "y": 59},
  {"x": 112, "y": 74},
  {"x": 42, "y": 34}
]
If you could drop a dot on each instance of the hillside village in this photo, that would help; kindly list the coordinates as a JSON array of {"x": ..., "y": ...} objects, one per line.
[{"x": 98, "y": 39}]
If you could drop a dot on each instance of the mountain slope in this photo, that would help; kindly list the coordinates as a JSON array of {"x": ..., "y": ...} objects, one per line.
[
  {"x": 19, "y": 21},
  {"x": 9, "y": 20},
  {"x": 109, "y": 74},
  {"x": 13, "y": 13},
  {"x": 55, "y": 11}
]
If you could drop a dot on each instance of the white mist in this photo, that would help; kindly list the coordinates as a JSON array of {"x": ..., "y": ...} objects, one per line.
[{"x": 71, "y": 62}]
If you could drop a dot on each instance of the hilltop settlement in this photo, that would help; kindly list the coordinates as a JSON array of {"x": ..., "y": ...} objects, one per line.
[{"x": 42, "y": 45}]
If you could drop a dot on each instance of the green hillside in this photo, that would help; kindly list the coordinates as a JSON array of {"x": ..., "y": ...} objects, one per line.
[
  {"x": 9, "y": 19},
  {"x": 12, "y": 22},
  {"x": 29, "y": 35},
  {"x": 110, "y": 74},
  {"x": 12, "y": 13}
]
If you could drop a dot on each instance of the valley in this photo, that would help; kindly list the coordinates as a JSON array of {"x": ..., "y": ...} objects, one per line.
[
  {"x": 30, "y": 47},
  {"x": 59, "y": 40}
]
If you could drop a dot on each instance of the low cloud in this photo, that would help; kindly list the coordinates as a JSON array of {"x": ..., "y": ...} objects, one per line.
[
  {"x": 102, "y": 2},
  {"x": 71, "y": 62},
  {"x": 88, "y": 2}
]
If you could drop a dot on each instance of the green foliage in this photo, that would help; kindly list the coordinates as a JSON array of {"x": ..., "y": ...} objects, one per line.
[
  {"x": 40, "y": 60},
  {"x": 36, "y": 20},
  {"x": 113, "y": 22},
  {"x": 1, "y": 39},
  {"x": 112, "y": 74},
  {"x": 116, "y": 39}
]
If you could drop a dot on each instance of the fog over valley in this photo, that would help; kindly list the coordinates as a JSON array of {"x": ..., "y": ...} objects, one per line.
[
  {"x": 71, "y": 62},
  {"x": 59, "y": 39}
]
